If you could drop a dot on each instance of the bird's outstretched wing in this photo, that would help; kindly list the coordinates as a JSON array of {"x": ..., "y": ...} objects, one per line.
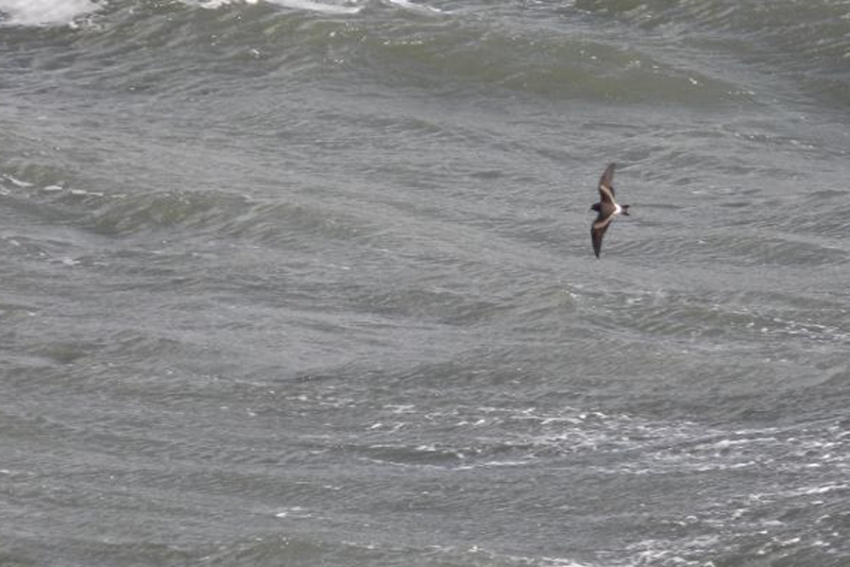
[{"x": 597, "y": 231}]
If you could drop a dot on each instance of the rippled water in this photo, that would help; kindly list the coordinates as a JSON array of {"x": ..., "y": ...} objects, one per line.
[{"x": 311, "y": 283}]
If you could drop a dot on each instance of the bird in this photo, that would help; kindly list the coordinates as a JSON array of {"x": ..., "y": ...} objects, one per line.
[{"x": 606, "y": 209}]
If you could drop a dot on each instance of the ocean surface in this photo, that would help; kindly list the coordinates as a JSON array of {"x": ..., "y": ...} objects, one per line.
[{"x": 310, "y": 283}]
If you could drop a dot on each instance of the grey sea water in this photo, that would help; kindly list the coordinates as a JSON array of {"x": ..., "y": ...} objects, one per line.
[{"x": 310, "y": 283}]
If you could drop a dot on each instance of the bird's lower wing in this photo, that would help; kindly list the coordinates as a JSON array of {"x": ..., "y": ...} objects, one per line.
[{"x": 597, "y": 231}]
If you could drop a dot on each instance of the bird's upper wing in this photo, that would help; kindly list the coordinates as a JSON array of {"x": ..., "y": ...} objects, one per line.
[{"x": 606, "y": 184}]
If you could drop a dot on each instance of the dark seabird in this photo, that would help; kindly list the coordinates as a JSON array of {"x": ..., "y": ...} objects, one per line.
[{"x": 606, "y": 207}]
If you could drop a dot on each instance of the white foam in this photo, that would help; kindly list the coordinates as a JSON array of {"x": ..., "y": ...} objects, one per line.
[
  {"x": 296, "y": 512},
  {"x": 317, "y": 6},
  {"x": 45, "y": 12},
  {"x": 17, "y": 182},
  {"x": 326, "y": 7},
  {"x": 406, "y": 4},
  {"x": 216, "y": 3},
  {"x": 309, "y": 5}
]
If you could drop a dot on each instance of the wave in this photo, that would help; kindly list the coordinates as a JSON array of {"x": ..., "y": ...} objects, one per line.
[
  {"x": 687, "y": 53},
  {"x": 808, "y": 41}
]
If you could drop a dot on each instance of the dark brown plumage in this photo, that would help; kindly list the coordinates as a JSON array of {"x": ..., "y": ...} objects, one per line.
[{"x": 606, "y": 209}]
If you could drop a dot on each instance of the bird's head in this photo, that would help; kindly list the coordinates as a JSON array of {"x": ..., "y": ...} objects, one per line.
[{"x": 595, "y": 207}]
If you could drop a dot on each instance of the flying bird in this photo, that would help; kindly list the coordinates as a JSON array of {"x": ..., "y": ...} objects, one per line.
[{"x": 606, "y": 209}]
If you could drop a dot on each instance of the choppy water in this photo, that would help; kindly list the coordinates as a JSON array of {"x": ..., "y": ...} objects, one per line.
[{"x": 311, "y": 283}]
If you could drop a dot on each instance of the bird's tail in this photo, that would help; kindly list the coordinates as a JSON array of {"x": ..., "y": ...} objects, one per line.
[{"x": 625, "y": 210}]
